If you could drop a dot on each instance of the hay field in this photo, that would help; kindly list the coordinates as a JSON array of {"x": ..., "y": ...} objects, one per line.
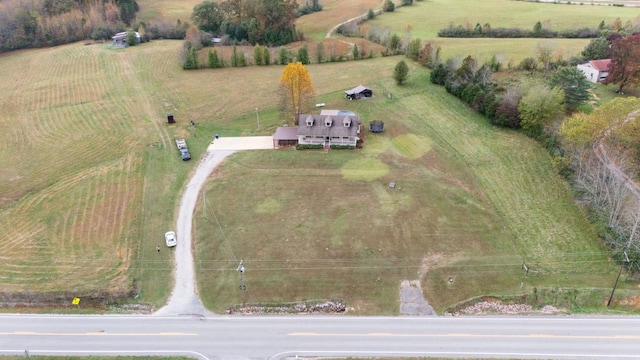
[{"x": 76, "y": 125}]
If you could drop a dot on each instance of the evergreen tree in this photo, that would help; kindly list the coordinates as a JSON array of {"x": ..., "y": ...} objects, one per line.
[
  {"x": 401, "y": 72},
  {"x": 574, "y": 85},
  {"x": 303, "y": 55}
]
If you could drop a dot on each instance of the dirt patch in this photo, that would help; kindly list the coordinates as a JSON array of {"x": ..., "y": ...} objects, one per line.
[
  {"x": 435, "y": 260},
  {"x": 633, "y": 301}
]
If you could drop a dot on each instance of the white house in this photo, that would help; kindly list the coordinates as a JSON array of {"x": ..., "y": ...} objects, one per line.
[
  {"x": 120, "y": 39},
  {"x": 595, "y": 70}
]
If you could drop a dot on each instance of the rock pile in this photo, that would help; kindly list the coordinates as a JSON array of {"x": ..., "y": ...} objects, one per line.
[
  {"x": 325, "y": 307},
  {"x": 498, "y": 308}
]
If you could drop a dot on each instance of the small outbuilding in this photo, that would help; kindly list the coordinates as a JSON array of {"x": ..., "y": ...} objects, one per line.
[
  {"x": 376, "y": 126},
  {"x": 358, "y": 92}
]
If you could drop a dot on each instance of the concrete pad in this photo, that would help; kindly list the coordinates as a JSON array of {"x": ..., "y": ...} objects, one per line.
[{"x": 241, "y": 143}]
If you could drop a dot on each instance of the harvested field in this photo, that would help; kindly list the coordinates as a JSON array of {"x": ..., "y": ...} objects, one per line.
[{"x": 72, "y": 189}]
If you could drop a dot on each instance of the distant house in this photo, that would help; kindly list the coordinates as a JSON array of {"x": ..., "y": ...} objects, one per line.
[
  {"x": 595, "y": 70},
  {"x": 285, "y": 136},
  {"x": 328, "y": 130},
  {"x": 358, "y": 92},
  {"x": 120, "y": 39}
]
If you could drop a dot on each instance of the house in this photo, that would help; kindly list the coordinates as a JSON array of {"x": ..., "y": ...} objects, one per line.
[
  {"x": 285, "y": 136},
  {"x": 120, "y": 39},
  {"x": 358, "y": 92},
  {"x": 595, "y": 70},
  {"x": 328, "y": 130}
]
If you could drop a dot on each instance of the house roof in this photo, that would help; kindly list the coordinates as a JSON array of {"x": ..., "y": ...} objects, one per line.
[
  {"x": 286, "y": 133},
  {"x": 319, "y": 127},
  {"x": 600, "y": 65},
  {"x": 357, "y": 90}
]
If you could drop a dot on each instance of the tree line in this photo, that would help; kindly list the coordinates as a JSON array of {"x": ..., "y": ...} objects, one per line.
[
  {"x": 538, "y": 31},
  {"x": 598, "y": 150},
  {"x": 38, "y": 23},
  {"x": 270, "y": 22}
]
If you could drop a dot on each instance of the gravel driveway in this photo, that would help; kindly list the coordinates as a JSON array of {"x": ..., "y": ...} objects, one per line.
[{"x": 184, "y": 299}]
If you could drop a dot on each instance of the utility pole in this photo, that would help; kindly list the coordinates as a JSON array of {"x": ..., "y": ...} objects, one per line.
[
  {"x": 626, "y": 260},
  {"x": 243, "y": 287}
]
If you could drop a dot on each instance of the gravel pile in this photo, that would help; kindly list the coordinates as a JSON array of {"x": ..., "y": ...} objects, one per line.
[
  {"x": 326, "y": 307},
  {"x": 493, "y": 308}
]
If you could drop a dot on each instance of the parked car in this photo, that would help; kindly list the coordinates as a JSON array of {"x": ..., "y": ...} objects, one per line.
[
  {"x": 170, "y": 238},
  {"x": 185, "y": 154}
]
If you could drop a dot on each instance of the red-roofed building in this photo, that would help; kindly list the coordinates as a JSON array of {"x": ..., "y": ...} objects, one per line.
[{"x": 595, "y": 70}]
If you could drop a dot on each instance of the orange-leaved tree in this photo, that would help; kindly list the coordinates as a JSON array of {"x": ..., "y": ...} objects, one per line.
[{"x": 296, "y": 89}]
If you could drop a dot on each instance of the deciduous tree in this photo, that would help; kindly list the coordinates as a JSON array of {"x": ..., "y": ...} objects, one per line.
[
  {"x": 597, "y": 48},
  {"x": 625, "y": 62},
  {"x": 539, "y": 108},
  {"x": 208, "y": 16},
  {"x": 296, "y": 89}
]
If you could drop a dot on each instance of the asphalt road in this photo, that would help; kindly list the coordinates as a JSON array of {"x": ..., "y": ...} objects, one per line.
[{"x": 266, "y": 337}]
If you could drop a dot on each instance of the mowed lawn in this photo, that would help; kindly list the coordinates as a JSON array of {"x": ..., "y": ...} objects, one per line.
[{"x": 472, "y": 203}]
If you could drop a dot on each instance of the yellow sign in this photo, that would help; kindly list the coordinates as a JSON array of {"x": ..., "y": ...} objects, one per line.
[{"x": 75, "y": 301}]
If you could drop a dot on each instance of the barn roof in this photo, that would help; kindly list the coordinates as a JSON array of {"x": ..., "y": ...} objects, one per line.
[
  {"x": 601, "y": 65},
  {"x": 357, "y": 90}
]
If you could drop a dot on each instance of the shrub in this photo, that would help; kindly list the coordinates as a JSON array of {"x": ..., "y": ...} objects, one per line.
[
  {"x": 342, "y": 147},
  {"x": 388, "y": 6},
  {"x": 308, "y": 147}
]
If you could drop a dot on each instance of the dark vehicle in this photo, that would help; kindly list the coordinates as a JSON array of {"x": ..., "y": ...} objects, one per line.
[{"x": 184, "y": 153}]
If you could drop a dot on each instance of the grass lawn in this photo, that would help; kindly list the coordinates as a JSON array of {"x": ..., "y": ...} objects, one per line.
[{"x": 473, "y": 203}]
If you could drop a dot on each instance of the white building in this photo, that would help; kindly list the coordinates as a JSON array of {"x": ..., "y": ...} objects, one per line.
[{"x": 596, "y": 70}]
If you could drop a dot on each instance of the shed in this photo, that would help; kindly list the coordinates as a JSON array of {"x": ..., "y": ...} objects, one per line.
[
  {"x": 376, "y": 126},
  {"x": 285, "y": 136},
  {"x": 358, "y": 92}
]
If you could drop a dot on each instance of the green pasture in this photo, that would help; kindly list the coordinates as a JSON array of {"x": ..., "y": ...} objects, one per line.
[
  {"x": 429, "y": 16},
  {"x": 152, "y": 11}
]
